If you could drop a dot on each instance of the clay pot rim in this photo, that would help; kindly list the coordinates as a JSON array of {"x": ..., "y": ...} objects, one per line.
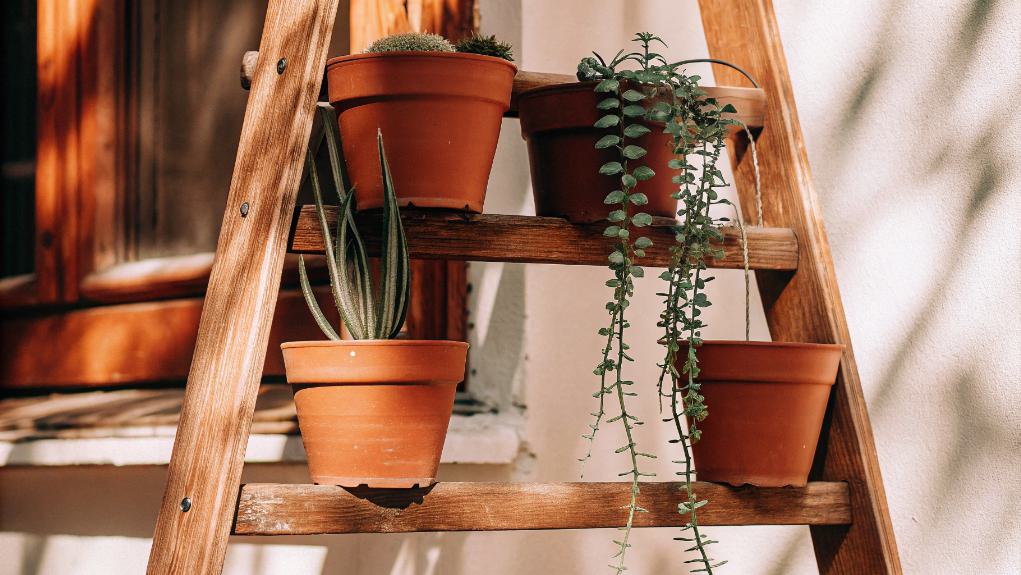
[
  {"x": 773, "y": 344},
  {"x": 415, "y": 54},
  {"x": 557, "y": 88},
  {"x": 376, "y": 343}
]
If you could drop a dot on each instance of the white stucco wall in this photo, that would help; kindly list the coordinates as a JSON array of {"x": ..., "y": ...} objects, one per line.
[{"x": 910, "y": 114}]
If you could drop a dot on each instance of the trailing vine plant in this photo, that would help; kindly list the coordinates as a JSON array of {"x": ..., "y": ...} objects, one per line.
[{"x": 653, "y": 90}]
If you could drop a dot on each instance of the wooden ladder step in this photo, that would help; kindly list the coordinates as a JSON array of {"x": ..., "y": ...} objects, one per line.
[
  {"x": 440, "y": 234},
  {"x": 283, "y": 509}
]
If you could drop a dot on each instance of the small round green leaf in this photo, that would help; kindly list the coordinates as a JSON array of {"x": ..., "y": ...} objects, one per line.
[
  {"x": 608, "y": 85},
  {"x": 617, "y": 216},
  {"x": 633, "y": 96},
  {"x": 608, "y": 104},
  {"x": 636, "y": 131},
  {"x": 639, "y": 199},
  {"x": 607, "y": 121},
  {"x": 642, "y": 173},
  {"x": 633, "y": 152},
  {"x": 628, "y": 181},
  {"x": 611, "y": 168},
  {"x": 634, "y": 111},
  {"x": 607, "y": 141},
  {"x": 616, "y": 257},
  {"x": 615, "y": 197},
  {"x": 643, "y": 242},
  {"x": 611, "y": 231},
  {"x": 641, "y": 219}
]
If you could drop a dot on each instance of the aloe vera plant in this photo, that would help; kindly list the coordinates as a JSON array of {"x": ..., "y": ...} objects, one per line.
[{"x": 368, "y": 311}]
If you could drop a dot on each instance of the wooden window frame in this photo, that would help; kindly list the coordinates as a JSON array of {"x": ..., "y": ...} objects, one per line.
[{"x": 83, "y": 179}]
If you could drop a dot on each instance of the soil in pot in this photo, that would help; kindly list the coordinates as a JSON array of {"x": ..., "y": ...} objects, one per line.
[
  {"x": 440, "y": 115},
  {"x": 766, "y": 405},
  {"x": 557, "y": 123},
  {"x": 374, "y": 412}
]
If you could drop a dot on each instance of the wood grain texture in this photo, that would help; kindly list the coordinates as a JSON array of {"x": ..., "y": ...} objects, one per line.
[
  {"x": 57, "y": 148},
  {"x": 280, "y": 509},
  {"x": 234, "y": 327},
  {"x": 129, "y": 344},
  {"x": 807, "y": 307},
  {"x": 126, "y": 413},
  {"x": 373, "y": 19},
  {"x": 750, "y": 102},
  {"x": 436, "y": 234}
]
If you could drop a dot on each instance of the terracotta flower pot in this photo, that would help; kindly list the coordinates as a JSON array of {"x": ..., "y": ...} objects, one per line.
[
  {"x": 556, "y": 121},
  {"x": 374, "y": 412},
  {"x": 440, "y": 115},
  {"x": 766, "y": 404}
]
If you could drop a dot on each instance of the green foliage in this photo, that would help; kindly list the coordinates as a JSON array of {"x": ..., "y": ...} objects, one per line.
[
  {"x": 486, "y": 46},
  {"x": 411, "y": 42},
  {"x": 640, "y": 87},
  {"x": 366, "y": 312}
]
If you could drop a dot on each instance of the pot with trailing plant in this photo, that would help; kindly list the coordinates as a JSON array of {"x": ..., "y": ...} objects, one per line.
[
  {"x": 438, "y": 104},
  {"x": 372, "y": 410},
  {"x": 768, "y": 399}
]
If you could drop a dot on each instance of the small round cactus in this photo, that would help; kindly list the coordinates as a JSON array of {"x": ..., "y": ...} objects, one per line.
[
  {"x": 411, "y": 42},
  {"x": 486, "y": 46}
]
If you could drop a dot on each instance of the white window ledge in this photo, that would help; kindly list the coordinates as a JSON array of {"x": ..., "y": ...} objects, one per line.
[{"x": 484, "y": 438}]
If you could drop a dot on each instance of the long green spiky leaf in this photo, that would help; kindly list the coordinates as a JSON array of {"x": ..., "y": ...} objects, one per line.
[
  {"x": 353, "y": 248},
  {"x": 342, "y": 296},
  {"x": 354, "y": 314},
  {"x": 395, "y": 268},
  {"x": 313, "y": 305}
]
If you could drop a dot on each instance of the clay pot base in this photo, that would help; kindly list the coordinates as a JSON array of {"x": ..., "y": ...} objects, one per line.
[
  {"x": 376, "y": 482},
  {"x": 766, "y": 405},
  {"x": 374, "y": 412}
]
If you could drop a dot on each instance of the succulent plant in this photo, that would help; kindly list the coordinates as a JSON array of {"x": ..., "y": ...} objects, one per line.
[
  {"x": 411, "y": 42},
  {"x": 486, "y": 46},
  {"x": 366, "y": 312}
]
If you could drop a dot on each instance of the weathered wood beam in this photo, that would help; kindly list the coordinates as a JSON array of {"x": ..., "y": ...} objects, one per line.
[
  {"x": 436, "y": 234},
  {"x": 281, "y": 509}
]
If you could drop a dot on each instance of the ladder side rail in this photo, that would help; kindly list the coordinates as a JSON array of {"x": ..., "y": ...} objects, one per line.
[
  {"x": 805, "y": 306},
  {"x": 205, "y": 470}
]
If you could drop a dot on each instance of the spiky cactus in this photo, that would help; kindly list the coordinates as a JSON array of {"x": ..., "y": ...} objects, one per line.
[
  {"x": 486, "y": 46},
  {"x": 367, "y": 313},
  {"x": 411, "y": 42}
]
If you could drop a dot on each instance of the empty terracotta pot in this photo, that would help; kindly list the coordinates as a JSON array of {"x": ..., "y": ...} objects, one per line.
[
  {"x": 374, "y": 412},
  {"x": 557, "y": 122},
  {"x": 440, "y": 115},
  {"x": 766, "y": 405}
]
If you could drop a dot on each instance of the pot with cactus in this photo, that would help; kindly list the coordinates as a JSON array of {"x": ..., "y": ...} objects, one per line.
[
  {"x": 440, "y": 106},
  {"x": 373, "y": 410}
]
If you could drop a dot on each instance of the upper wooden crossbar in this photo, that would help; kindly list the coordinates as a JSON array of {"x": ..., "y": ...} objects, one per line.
[
  {"x": 435, "y": 234},
  {"x": 284, "y": 509}
]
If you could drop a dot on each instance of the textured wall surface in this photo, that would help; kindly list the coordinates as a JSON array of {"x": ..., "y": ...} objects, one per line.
[{"x": 910, "y": 114}]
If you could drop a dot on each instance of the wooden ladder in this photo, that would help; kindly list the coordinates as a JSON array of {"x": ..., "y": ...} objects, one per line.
[{"x": 204, "y": 501}]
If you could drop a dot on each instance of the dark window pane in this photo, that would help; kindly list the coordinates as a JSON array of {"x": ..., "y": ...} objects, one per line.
[{"x": 17, "y": 165}]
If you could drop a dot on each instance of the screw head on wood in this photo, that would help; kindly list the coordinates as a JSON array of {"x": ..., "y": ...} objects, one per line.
[
  {"x": 244, "y": 209},
  {"x": 281, "y": 65},
  {"x": 185, "y": 504}
]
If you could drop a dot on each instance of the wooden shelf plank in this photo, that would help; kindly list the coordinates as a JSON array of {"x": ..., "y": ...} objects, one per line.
[
  {"x": 281, "y": 509},
  {"x": 436, "y": 234},
  {"x": 750, "y": 102}
]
